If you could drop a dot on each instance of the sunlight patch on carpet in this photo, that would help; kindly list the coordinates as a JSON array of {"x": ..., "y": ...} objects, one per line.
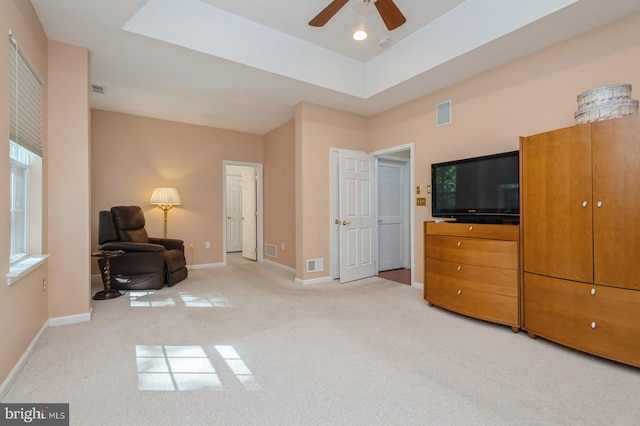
[{"x": 190, "y": 368}]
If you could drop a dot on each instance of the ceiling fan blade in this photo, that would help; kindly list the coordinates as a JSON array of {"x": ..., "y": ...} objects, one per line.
[
  {"x": 390, "y": 14},
  {"x": 327, "y": 13}
]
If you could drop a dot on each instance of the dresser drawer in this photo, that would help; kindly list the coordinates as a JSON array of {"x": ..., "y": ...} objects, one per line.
[
  {"x": 494, "y": 232},
  {"x": 604, "y": 321},
  {"x": 467, "y": 299},
  {"x": 472, "y": 277},
  {"x": 473, "y": 251}
]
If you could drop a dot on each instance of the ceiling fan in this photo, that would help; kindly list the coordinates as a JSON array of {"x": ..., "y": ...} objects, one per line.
[{"x": 388, "y": 10}]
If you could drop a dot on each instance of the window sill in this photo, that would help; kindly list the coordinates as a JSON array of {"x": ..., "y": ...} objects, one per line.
[{"x": 22, "y": 268}]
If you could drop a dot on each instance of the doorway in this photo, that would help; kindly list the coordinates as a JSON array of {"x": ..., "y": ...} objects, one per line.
[
  {"x": 242, "y": 210},
  {"x": 393, "y": 195},
  {"x": 394, "y": 236}
]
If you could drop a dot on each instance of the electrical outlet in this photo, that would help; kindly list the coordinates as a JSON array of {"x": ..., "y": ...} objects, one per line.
[
  {"x": 207, "y": 244},
  {"x": 190, "y": 246}
]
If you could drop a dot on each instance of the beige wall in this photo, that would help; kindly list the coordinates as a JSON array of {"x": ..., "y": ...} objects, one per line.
[
  {"x": 69, "y": 181},
  {"x": 279, "y": 193},
  {"x": 131, "y": 155},
  {"x": 317, "y": 130},
  {"x": 23, "y": 306},
  {"x": 490, "y": 111}
]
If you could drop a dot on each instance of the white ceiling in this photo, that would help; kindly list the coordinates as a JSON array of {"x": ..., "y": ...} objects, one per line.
[{"x": 244, "y": 64}]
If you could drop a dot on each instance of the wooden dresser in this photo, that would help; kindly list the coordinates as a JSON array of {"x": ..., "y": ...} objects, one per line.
[
  {"x": 580, "y": 205},
  {"x": 472, "y": 269}
]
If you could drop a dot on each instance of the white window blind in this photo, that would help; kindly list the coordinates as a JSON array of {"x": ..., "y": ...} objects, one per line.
[{"x": 25, "y": 101}]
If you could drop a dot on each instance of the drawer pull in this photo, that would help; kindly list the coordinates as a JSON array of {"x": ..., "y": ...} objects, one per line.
[
  {"x": 459, "y": 291},
  {"x": 459, "y": 268},
  {"x": 459, "y": 244},
  {"x": 584, "y": 204},
  {"x": 471, "y": 228},
  {"x": 593, "y": 291},
  {"x": 593, "y": 324}
]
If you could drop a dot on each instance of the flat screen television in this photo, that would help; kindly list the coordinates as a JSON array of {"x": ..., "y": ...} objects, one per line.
[{"x": 481, "y": 189}]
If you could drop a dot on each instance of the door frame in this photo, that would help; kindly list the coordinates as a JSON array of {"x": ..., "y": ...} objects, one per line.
[
  {"x": 259, "y": 206},
  {"x": 334, "y": 208}
]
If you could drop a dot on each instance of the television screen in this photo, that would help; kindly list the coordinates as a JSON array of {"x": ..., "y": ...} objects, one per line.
[{"x": 477, "y": 189}]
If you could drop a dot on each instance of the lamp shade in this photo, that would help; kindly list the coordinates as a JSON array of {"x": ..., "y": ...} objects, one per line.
[{"x": 165, "y": 196}]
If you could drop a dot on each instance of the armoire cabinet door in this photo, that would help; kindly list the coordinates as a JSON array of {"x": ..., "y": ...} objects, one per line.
[
  {"x": 616, "y": 194},
  {"x": 556, "y": 197}
]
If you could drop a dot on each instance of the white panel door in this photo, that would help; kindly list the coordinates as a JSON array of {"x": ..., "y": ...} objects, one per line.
[
  {"x": 391, "y": 214},
  {"x": 357, "y": 228},
  {"x": 234, "y": 213},
  {"x": 249, "y": 213}
]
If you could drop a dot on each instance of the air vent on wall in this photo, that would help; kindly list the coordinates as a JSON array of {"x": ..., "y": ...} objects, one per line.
[
  {"x": 314, "y": 265},
  {"x": 98, "y": 89},
  {"x": 443, "y": 113},
  {"x": 271, "y": 250}
]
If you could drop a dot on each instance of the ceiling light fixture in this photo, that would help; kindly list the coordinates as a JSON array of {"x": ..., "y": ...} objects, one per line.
[
  {"x": 360, "y": 35},
  {"x": 384, "y": 42}
]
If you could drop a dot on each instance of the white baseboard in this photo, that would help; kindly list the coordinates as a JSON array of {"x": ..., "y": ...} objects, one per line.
[
  {"x": 4, "y": 387},
  {"x": 51, "y": 322},
  {"x": 206, "y": 266},
  {"x": 418, "y": 285},
  {"x": 279, "y": 265},
  {"x": 313, "y": 281},
  {"x": 70, "y": 319},
  {"x": 221, "y": 264}
]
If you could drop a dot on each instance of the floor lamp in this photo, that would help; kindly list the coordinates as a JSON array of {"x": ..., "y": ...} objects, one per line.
[{"x": 165, "y": 199}]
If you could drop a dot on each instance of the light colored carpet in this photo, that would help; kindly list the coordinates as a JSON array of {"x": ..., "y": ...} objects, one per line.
[{"x": 245, "y": 345}]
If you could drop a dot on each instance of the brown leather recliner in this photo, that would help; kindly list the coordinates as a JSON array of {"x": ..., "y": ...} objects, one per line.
[{"x": 148, "y": 263}]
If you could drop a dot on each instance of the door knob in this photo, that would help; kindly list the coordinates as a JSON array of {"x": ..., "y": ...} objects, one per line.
[
  {"x": 345, "y": 223},
  {"x": 337, "y": 222},
  {"x": 229, "y": 217}
]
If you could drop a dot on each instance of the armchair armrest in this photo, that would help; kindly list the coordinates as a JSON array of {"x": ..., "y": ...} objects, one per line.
[
  {"x": 168, "y": 243},
  {"x": 131, "y": 247}
]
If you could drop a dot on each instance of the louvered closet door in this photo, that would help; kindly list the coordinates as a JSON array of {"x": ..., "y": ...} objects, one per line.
[
  {"x": 616, "y": 194},
  {"x": 556, "y": 198}
]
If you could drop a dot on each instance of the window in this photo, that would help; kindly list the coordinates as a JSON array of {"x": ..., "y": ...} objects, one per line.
[
  {"x": 25, "y": 158},
  {"x": 19, "y": 201}
]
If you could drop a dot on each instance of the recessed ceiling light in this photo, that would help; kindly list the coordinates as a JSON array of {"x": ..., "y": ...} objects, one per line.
[{"x": 360, "y": 35}]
